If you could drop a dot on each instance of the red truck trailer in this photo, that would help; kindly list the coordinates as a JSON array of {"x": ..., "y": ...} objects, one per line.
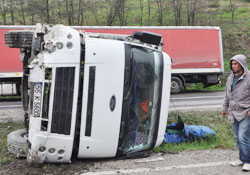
[
  {"x": 10, "y": 65},
  {"x": 196, "y": 52},
  {"x": 11, "y": 69}
]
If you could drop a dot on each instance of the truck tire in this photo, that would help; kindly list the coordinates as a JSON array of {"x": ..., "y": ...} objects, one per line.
[
  {"x": 176, "y": 85},
  {"x": 17, "y": 143},
  {"x": 18, "y": 39}
]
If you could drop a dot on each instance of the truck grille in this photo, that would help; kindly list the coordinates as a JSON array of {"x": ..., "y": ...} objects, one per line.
[{"x": 63, "y": 100}]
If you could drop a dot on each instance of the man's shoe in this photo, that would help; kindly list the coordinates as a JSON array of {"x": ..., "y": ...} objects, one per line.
[
  {"x": 236, "y": 163},
  {"x": 246, "y": 167}
]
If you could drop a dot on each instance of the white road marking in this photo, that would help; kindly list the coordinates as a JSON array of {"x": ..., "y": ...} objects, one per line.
[
  {"x": 10, "y": 106},
  {"x": 145, "y": 160},
  {"x": 141, "y": 170},
  {"x": 201, "y": 97},
  {"x": 195, "y": 108}
]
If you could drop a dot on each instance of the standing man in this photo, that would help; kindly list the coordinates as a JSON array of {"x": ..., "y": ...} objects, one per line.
[{"x": 237, "y": 100}]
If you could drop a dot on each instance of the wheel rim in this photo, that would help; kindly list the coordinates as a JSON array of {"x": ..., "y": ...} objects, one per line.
[{"x": 174, "y": 85}]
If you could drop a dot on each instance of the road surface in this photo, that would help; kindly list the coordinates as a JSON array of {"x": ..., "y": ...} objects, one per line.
[
  {"x": 11, "y": 111},
  {"x": 202, "y": 162},
  {"x": 197, "y": 100},
  {"x": 186, "y": 101}
]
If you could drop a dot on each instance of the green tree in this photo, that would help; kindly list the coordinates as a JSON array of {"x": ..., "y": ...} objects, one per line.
[{"x": 232, "y": 8}]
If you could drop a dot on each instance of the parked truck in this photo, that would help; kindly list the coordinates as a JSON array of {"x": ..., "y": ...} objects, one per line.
[
  {"x": 91, "y": 95},
  {"x": 196, "y": 52}
]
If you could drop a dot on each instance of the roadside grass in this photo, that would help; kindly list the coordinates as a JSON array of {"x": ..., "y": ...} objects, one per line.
[
  {"x": 199, "y": 86},
  {"x": 223, "y": 138},
  {"x": 227, "y": 65},
  {"x": 10, "y": 97},
  {"x": 5, "y": 129},
  {"x": 212, "y": 119}
]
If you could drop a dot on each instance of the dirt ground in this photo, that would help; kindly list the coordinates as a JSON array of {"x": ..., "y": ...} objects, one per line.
[
  {"x": 11, "y": 115},
  {"x": 20, "y": 166},
  {"x": 188, "y": 162}
]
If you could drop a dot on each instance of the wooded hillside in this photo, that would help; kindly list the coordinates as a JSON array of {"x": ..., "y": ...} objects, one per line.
[{"x": 231, "y": 15}]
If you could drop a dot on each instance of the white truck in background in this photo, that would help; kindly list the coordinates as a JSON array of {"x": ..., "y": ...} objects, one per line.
[{"x": 90, "y": 95}]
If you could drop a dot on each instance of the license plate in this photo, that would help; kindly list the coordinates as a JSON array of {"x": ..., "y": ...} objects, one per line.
[{"x": 37, "y": 99}]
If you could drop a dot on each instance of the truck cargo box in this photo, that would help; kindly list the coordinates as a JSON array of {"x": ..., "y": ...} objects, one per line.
[{"x": 196, "y": 52}]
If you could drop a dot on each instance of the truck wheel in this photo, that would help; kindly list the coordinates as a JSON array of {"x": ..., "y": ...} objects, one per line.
[
  {"x": 176, "y": 85},
  {"x": 17, "y": 143},
  {"x": 18, "y": 39}
]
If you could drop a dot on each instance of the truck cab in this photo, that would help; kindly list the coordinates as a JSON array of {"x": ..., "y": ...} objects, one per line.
[{"x": 91, "y": 95}]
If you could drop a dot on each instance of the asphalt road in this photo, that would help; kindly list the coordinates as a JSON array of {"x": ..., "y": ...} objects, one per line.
[
  {"x": 208, "y": 100},
  {"x": 202, "y": 162},
  {"x": 11, "y": 111},
  {"x": 190, "y": 100},
  {"x": 10, "y": 105},
  {"x": 197, "y": 100}
]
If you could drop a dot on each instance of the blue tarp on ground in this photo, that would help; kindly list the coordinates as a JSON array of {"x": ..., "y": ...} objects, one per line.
[{"x": 188, "y": 133}]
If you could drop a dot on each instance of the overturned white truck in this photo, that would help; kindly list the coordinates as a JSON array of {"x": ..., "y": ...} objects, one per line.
[{"x": 89, "y": 95}]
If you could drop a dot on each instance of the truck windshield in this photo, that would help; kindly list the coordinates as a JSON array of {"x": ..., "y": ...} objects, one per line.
[{"x": 143, "y": 99}]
